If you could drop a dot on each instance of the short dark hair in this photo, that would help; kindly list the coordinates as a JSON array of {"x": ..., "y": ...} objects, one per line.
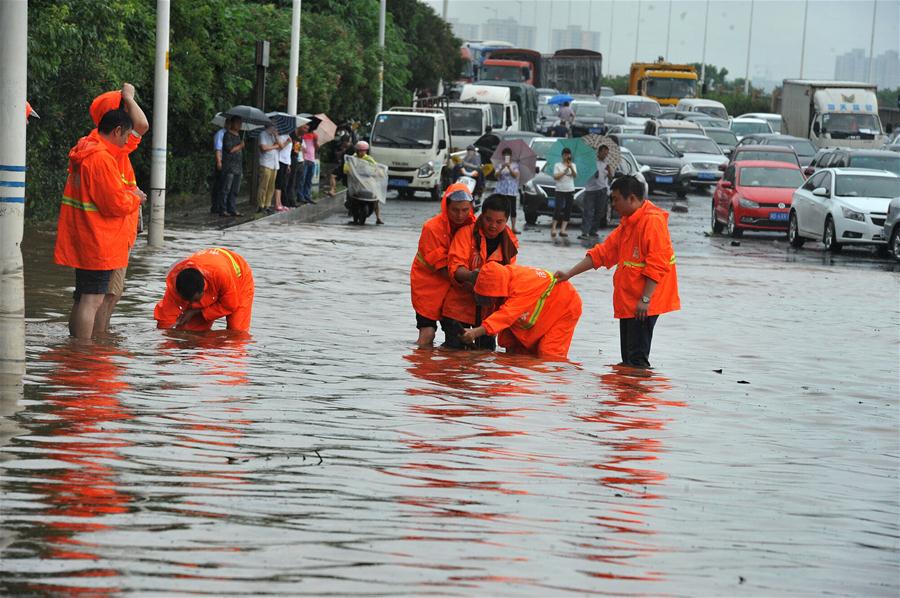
[
  {"x": 497, "y": 203},
  {"x": 189, "y": 282},
  {"x": 602, "y": 147},
  {"x": 506, "y": 150},
  {"x": 566, "y": 150},
  {"x": 628, "y": 185},
  {"x": 113, "y": 119}
]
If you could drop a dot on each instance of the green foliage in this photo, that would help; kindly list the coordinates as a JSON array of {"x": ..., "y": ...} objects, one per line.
[{"x": 80, "y": 48}]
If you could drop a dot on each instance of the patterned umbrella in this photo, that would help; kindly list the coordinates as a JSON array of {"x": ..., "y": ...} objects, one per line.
[
  {"x": 584, "y": 158},
  {"x": 286, "y": 123},
  {"x": 595, "y": 141},
  {"x": 521, "y": 153},
  {"x": 324, "y": 128}
]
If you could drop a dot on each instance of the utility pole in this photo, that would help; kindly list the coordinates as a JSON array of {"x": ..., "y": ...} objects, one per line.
[
  {"x": 872, "y": 44},
  {"x": 749, "y": 43},
  {"x": 612, "y": 15},
  {"x": 259, "y": 89},
  {"x": 382, "y": 16},
  {"x": 668, "y": 31},
  {"x": 637, "y": 34},
  {"x": 13, "y": 80},
  {"x": 803, "y": 38},
  {"x": 160, "y": 127},
  {"x": 703, "y": 56},
  {"x": 446, "y": 2},
  {"x": 294, "y": 68}
]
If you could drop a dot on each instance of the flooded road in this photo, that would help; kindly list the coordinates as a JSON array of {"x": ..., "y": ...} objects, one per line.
[{"x": 323, "y": 455}]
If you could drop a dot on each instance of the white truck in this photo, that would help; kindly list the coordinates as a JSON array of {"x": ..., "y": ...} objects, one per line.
[
  {"x": 468, "y": 122},
  {"x": 414, "y": 143},
  {"x": 832, "y": 113},
  {"x": 504, "y": 111}
]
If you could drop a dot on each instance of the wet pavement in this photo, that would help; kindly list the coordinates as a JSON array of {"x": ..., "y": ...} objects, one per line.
[{"x": 323, "y": 455}]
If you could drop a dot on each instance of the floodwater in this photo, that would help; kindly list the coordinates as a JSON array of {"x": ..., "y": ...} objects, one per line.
[{"x": 323, "y": 455}]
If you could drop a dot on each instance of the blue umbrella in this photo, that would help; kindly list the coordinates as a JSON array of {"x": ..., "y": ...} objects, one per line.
[{"x": 561, "y": 98}]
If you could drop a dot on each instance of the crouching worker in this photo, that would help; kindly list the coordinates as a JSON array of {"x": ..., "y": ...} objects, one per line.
[
  {"x": 538, "y": 314},
  {"x": 645, "y": 284},
  {"x": 428, "y": 277},
  {"x": 209, "y": 285},
  {"x": 488, "y": 240}
]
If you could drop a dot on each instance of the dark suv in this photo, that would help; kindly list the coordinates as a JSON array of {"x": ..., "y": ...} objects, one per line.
[
  {"x": 856, "y": 158},
  {"x": 665, "y": 163}
]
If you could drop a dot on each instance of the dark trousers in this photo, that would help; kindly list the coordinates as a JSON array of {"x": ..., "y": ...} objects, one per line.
[
  {"x": 290, "y": 197},
  {"x": 231, "y": 183},
  {"x": 305, "y": 191},
  {"x": 215, "y": 190},
  {"x": 453, "y": 329},
  {"x": 635, "y": 337},
  {"x": 593, "y": 213},
  {"x": 563, "y": 205}
]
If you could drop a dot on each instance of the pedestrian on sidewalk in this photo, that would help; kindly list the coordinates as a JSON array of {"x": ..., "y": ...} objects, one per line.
[
  {"x": 596, "y": 196},
  {"x": 290, "y": 199},
  {"x": 645, "y": 284},
  {"x": 232, "y": 168},
  {"x": 309, "y": 149},
  {"x": 268, "y": 168},
  {"x": 564, "y": 174},
  {"x": 283, "y": 176},
  {"x": 508, "y": 184},
  {"x": 338, "y": 172}
]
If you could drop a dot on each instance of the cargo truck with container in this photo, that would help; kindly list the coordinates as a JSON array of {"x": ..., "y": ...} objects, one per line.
[
  {"x": 832, "y": 113},
  {"x": 504, "y": 111}
]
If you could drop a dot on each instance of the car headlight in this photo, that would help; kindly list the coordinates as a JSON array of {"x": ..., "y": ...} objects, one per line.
[
  {"x": 746, "y": 203},
  {"x": 687, "y": 168},
  {"x": 853, "y": 215},
  {"x": 530, "y": 188},
  {"x": 426, "y": 170}
]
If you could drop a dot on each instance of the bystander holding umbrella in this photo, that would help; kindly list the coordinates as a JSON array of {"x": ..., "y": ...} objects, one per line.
[
  {"x": 521, "y": 153},
  {"x": 249, "y": 114},
  {"x": 561, "y": 98},
  {"x": 595, "y": 141},
  {"x": 324, "y": 127},
  {"x": 583, "y": 156},
  {"x": 219, "y": 121},
  {"x": 286, "y": 123}
]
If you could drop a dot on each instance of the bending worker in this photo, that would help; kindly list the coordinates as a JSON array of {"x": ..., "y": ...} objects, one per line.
[
  {"x": 538, "y": 314},
  {"x": 429, "y": 280},
  {"x": 490, "y": 239},
  {"x": 645, "y": 284},
  {"x": 211, "y": 284}
]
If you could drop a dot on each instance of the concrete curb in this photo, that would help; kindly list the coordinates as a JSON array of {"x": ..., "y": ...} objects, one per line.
[{"x": 325, "y": 206}]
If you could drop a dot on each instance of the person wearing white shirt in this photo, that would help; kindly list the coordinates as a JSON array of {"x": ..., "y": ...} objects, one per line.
[
  {"x": 268, "y": 168},
  {"x": 596, "y": 196},
  {"x": 283, "y": 176},
  {"x": 564, "y": 173}
]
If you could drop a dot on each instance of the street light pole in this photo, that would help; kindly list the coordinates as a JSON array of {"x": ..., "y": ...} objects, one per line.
[
  {"x": 637, "y": 34},
  {"x": 749, "y": 42},
  {"x": 669, "y": 30},
  {"x": 160, "y": 127},
  {"x": 872, "y": 44},
  {"x": 703, "y": 55},
  {"x": 446, "y": 2},
  {"x": 293, "y": 75},
  {"x": 803, "y": 38},
  {"x": 13, "y": 78},
  {"x": 612, "y": 15},
  {"x": 382, "y": 15}
]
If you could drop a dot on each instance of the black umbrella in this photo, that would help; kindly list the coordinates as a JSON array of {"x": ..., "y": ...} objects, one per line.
[
  {"x": 286, "y": 123},
  {"x": 249, "y": 114}
]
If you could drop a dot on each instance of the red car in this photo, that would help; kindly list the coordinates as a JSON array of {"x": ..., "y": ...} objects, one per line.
[{"x": 755, "y": 195}]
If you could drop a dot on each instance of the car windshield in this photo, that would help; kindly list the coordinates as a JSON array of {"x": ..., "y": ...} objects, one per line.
[
  {"x": 749, "y": 128},
  {"x": 647, "y": 147},
  {"x": 403, "y": 130},
  {"x": 708, "y": 121},
  {"x": 845, "y": 126},
  {"x": 889, "y": 163},
  {"x": 854, "y": 185},
  {"x": 695, "y": 146},
  {"x": 761, "y": 154},
  {"x": 722, "y": 137},
  {"x": 542, "y": 146},
  {"x": 775, "y": 123},
  {"x": 497, "y": 72},
  {"x": 801, "y": 146},
  {"x": 643, "y": 109},
  {"x": 588, "y": 110},
  {"x": 465, "y": 121},
  {"x": 783, "y": 178},
  {"x": 716, "y": 111},
  {"x": 548, "y": 111},
  {"x": 671, "y": 88}
]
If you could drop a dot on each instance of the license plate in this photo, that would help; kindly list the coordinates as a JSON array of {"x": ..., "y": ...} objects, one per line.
[
  {"x": 551, "y": 203},
  {"x": 398, "y": 182},
  {"x": 783, "y": 216},
  {"x": 665, "y": 179},
  {"x": 594, "y": 130},
  {"x": 706, "y": 176}
]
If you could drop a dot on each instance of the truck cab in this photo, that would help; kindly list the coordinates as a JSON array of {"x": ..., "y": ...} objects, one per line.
[
  {"x": 665, "y": 82},
  {"x": 832, "y": 113},
  {"x": 504, "y": 111},
  {"x": 414, "y": 143},
  {"x": 517, "y": 71},
  {"x": 468, "y": 122}
]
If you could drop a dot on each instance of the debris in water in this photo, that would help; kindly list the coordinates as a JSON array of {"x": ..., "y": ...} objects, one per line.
[
  {"x": 735, "y": 243},
  {"x": 719, "y": 371},
  {"x": 743, "y": 382},
  {"x": 680, "y": 207}
]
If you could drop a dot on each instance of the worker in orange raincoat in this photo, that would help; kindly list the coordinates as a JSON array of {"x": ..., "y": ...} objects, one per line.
[
  {"x": 490, "y": 239},
  {"x": 94, "y": 232},
  {"x": 122, "y": 99},
  {"x": 428, "y": 277},
  {"x": 538, "y": 314},
  {"x": 211, "y": 284},
  {"x": 645, "y": 284}
]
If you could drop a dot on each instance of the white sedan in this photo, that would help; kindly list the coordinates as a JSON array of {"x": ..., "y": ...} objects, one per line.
[{"x": 842, "y": 206}]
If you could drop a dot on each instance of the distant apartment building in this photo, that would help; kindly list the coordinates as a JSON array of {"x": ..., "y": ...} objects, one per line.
[
  {"x": 509, "y": 30},
  {"x": 574, "y": 36},
  {"x": 854, "y": 66},
  {"x": 464, "y": 31}
]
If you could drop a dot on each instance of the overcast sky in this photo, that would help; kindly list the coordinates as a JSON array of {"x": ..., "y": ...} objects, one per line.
[{"x": 832, "y": 29}]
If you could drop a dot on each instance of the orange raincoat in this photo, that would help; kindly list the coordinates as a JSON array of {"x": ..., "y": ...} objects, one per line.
[
  {"x": 539, "y": 314},
  {"x": 228, "y": 292},
  {"x": 428, "y": 280},
  {"x": 469, "y": 250},
  {"x": 640, "y": 247},
  {"x": 97, "y": 223}
]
